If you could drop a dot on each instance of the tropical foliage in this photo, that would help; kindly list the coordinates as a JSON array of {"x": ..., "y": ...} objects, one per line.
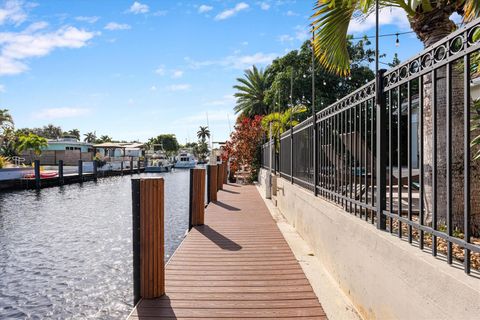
[
  {"x": 90, "y": 137},
  {"x": 281, "y": 121},
  {"x": 203, "y": 133},
  {"x": 251, "y": 92},
  {"x": 32, "y": 143},
  {"x": 430, "y": 19},
  {"x": 168, "y": 142},
  {"x": 242, "y": 150}
]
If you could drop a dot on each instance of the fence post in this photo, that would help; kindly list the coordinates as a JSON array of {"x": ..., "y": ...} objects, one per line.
[
  {"x": 381, "y": 126},
  {"x": 148, "y": 238},
  {"x": 212, "y": 182},
  {"x": 291, "y": 155},
  {"x": 197, "y": 198},
  {"x": 60, "y": 172},
  {"x": 80, "y": 169},
  {"x": 95, "y": 170},
  {"x": 36, "y": 168}
]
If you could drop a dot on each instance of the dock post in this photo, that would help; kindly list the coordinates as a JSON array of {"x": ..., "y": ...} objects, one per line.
[
  {"x": 197, "y": 198},
  {"x": 148, "y": 238},
  {"x": 220, "y": 176},
  {"x": 60, "y": 172},
  {"x": 38, "y": 180},
  {"x": 225, "y": 173},
  {"x": 139, "y": 162},
  {"x": 212, "y": 182},
  {"x": 121, "y": 167},
  {"x": 95, "y": 170},
  {"x": 80, "y": 170},
  {"x": 131, "y": 165}
]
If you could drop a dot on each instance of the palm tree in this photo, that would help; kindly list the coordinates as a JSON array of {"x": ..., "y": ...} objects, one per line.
[
  {"x": 105, "y": 138},
  {"x": 31, "y": 143},
  {"x": 282, "y": 121},
  {"x": 5, "y": 117},
  {"x": 430, "y": 20},
  {"x": 90, "y": 137},
  {"x": 203, "y": 133},
  {"x": 251, "y": 92},
  {"x": 74, "y": 133}
]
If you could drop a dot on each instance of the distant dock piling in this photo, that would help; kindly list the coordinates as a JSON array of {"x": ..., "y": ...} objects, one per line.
[
  {"x": 212, "y": 182},
  {"x": 95, "y": 170},
  {"x": 37, "y": 174},
  {"x": 60, "y": 172},
  {"x": 148, "y": 238},
  {"x": 80, "y": 170},
  {"x": 219, "y": 176},
  {"x": 197, "y": 198}
]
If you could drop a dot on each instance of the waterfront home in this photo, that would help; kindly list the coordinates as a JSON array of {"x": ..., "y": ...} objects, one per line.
[
  {"x": 68, "y": 143},
  {"x": 67, "y": 149},
  {"x": 118, "y": 150}
]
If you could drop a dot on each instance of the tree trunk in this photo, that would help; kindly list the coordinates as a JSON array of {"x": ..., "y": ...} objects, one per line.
[{"x": 430, "y": 28}]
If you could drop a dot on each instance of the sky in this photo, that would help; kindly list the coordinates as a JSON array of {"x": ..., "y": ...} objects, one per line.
[{"x": 136, "y": 69}]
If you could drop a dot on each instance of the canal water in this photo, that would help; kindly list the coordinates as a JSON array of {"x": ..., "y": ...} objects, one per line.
[{"x": 66, "y": 252}]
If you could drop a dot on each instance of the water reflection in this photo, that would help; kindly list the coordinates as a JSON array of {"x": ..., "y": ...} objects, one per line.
[{"x": 65, "y": 252}]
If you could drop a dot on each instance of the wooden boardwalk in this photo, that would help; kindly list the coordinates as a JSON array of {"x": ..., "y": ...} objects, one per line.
[{"x": 236, "y": 266}]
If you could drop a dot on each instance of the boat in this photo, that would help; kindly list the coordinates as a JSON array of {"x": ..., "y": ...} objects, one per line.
[
  {"x": 157, "y": 161},
  {"x": 43, "y": 175},
  {"x": 185, "y": 160}
]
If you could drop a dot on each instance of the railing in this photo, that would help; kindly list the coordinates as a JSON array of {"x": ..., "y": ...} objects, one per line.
[{"x": 402, "y": 161}]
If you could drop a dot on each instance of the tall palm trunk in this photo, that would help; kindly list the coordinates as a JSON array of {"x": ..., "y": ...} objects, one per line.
[{"x": 430, "y": 28}]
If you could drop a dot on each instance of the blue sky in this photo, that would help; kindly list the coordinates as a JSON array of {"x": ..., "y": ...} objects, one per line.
[{"x": 135, "y": 69}]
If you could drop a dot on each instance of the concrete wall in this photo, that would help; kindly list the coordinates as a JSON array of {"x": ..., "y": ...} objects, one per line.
[{"x": 385, "y": 277}]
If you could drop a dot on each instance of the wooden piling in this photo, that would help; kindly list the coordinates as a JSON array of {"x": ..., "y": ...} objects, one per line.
[
  {"x": 121, "y": 167},
  {"x": 95, "y": 170},
  {"x": 212, "y": 182},
  {"x": 60, "y": 172},
  {"x": 225, "y": 172},
  {"x": 139, "y": 162},
  {"x": 219, "y": 176},
  {"x": 148, "y": 238},
  {"x": 38, "y": 180},
  {"x": 80, "y": 169},
  {"x": 131, "y": 165},
  {"x": 197, "y": 198}
]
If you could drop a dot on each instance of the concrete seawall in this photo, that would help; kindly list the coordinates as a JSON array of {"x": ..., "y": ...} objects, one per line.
[{"x": 383, "y": 276}]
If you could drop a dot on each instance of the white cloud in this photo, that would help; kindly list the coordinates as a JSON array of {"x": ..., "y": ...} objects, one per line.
[
  {"x": 231, "y": 12},
  {"x": 290, "y": 13},
  {"x": 160, "y": 70},
  {"x": 18, "y": 46},
  {"x": 264, "y": 6},
  {"x": 388, "y": 16},
  {"x": 12, "y": 12},
  {"x": 235, "y": 61},
  {"x": 204, "y": 8},
  {"x": 138, "y": 7},
  {"x": 178, "y": 87},
  {"x": 177, "y": 74},
  {"x": 117, "y": 26},
  {"x": 92, "y": 19},
  {"x": 153, "y": 88},
  {"x": 2, "y": 88},
  {"x": 61, "y": 113}
]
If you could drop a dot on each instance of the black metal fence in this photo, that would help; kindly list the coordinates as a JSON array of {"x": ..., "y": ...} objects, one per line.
[{"x": 400, "y": 157}]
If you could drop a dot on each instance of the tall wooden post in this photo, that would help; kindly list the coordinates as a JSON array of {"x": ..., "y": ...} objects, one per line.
[
  {"x": 36, "y": 168},
  {"x": 197, "y": 197},
  {"x": 80, "y": 169},
  {"x": 121, "y": 167},
  {"x": 225, "y": 173},
  {"x": 131, "y": 165},
  {"x": 148, "y": 238},
  {"x": 60, "y": 172},
  {"x": 212, "y": 182},
  {"x": 138, "y": 165},
  {"x": 219, "y": 176},
  {"x": 95, "y": 170}
]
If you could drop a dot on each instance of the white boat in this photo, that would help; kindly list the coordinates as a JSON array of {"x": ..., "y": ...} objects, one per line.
[
  {"x": 185, "y": 160},
  {"x": 157, "y": 161}
]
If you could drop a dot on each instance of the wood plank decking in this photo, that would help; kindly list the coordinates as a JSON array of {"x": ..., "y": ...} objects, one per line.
[{"x": 238, "y": 265}]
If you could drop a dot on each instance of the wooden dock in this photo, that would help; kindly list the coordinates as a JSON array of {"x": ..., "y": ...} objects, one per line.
[{"x": 236, "y": 266}]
